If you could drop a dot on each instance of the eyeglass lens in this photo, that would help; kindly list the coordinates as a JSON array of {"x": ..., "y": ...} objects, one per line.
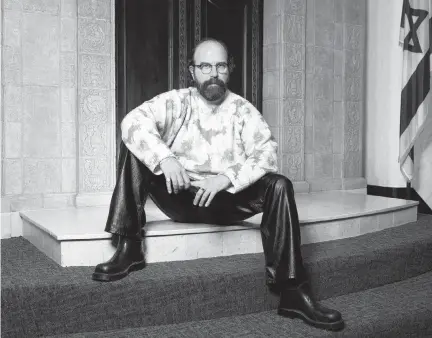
[{"x": 220, "y": 68}]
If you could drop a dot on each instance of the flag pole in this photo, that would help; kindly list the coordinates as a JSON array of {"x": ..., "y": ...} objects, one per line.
[
  {"x": 408, "y": 194},
  {"x": 409, "y": 190}
]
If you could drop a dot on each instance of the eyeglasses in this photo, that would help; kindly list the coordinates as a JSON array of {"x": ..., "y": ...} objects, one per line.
[{"x": 206, "y": 68}]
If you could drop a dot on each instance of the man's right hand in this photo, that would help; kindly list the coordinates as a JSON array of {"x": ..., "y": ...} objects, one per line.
[{"x": 175, "y": 175}]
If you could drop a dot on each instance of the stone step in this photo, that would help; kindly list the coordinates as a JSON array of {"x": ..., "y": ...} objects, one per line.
[
  {"x": 41, "y": 298},
  {"x": 379, "y": 312},
  {"x": 76, "y": 237}
]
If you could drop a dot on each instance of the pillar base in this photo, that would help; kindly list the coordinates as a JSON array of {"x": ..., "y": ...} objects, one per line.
[
  {"x": 301, "y": 187},
  {"x": 93, "y": 199},
  {"x": 324, "y": 184}
]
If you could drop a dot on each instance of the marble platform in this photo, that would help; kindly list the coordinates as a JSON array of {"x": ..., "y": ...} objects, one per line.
[{"x": 76, "y": 237}]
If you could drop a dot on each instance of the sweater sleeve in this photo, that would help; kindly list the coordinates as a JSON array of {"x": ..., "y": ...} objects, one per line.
[
  {"x": 142, "y": 130},
  {"x": 260, "y": 149}
]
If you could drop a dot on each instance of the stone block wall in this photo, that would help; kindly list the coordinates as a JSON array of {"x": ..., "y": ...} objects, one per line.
[
  {"x": 57, "y": 109},
  {"x": 313, "y": 97},
  {"x": 96, "y": 99},
  {"x": 284, "y": 83},
  {"x": 58, "y": 85}
]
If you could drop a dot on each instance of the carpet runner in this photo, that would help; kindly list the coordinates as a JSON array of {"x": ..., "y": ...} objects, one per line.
[{"x": 381, "y": 282}]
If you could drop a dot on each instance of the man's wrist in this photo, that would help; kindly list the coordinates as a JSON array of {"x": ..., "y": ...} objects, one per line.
[
  {"x": 159, "y": 165},
  {"x": 164, "y": 159},
  {"x": 229, "y": 183}
]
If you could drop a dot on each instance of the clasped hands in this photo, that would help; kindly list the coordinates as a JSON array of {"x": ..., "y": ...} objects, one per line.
[{"x": 177, "y": 179}]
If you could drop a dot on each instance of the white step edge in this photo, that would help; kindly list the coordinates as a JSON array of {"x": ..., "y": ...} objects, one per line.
[
  {"x": 89, "y": 223},
  {"x": 203, "y": 241}
]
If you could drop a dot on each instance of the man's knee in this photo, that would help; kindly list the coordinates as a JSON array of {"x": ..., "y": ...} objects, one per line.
[{"x": 281, "y": 182}]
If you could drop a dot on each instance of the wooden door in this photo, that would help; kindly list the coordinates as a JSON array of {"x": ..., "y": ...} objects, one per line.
[
  {"x": 239, "y": 24},
  {"x": 155, "y": 39}
]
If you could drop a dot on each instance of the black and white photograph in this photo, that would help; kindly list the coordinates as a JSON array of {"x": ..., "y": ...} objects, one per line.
[{"x": 216, "y": 168}]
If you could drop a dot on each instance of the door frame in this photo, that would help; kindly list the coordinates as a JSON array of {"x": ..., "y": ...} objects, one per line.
[{"x": 189, "y": 30}]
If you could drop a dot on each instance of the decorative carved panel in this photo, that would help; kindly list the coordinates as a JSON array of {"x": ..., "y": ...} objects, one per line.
[
  {"x": 95, "y": 174},
  {"x": 94, "y": 106},
  {"x": 99, "y": 9},
  {"x": 353, "y": 37},
  {"x": 294, "y": 28},
  {"x": 292, "y": 139},
  {"x": 183, "y": 44},
  {"x": 353, "y": 90},
  {"x": 256, "y": 55},
  {"x": 292, "y": 166},
  {"x": 294, "y": 112},
  {"x": 294, "y": 84},
  {"x": 295, "y": 7},
  {"x": 198, "y": 22},
  {"x": 94, "y": 71},
  {"x": 94, "y": 36}
]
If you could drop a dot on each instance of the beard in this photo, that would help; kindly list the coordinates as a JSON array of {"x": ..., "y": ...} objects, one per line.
[{"x": 212, "y": 90}]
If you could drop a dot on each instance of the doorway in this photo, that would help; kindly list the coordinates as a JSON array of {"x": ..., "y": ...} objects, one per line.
[{"x": 155, "y": 38}]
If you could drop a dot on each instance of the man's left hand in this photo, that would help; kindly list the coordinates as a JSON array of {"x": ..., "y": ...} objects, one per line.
[{"x": 208, "y": 189}]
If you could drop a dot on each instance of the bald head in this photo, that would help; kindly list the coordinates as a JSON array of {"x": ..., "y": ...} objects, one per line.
[{"x": 210, "y": 50}]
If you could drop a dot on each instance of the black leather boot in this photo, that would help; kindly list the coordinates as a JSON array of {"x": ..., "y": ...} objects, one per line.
[
  {"x": 297, "y": 302},
  {"x": 128, "y": 257}
]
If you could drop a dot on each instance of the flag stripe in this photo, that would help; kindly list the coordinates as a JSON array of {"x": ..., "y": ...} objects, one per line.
[
  {"x": 405, "y": 11},
  {"x": 415, "y": 92},
  {"x": 407, "y": 168},
  {"x": 408, "y": 138}
]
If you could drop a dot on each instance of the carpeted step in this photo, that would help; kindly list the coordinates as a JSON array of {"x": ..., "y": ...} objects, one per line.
[
  {"x": 402, "y": 309},
  {"x": 41, "y": 298}
]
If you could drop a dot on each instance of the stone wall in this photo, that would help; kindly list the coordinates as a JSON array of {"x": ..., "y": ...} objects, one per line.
[
  {"x": 313, "y": 97},
  {"x": 58, "y": 83},
  {"x": 58, "y": 96},
  {"x": 284, "y": 83}
]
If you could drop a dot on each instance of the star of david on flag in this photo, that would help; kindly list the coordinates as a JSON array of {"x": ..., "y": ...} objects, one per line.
[{"x": 415, "y": 40}]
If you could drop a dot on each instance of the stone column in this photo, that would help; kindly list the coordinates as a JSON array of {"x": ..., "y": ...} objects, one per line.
[
  {"x": 353, "y": 26},
  {"x": 334, "y": 72},
  {"x": 68, "y": 94},
  {"x": 57, "y": 109},
  {"x": 284, "y": 83},
  {"x": 38, "y": 62},
  {"x": 96, "y": 99}
]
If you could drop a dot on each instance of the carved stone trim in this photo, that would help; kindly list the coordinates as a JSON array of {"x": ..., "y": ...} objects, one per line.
[
  {"x": 197, "y": 30},
  {"x": 170, "y": 45},
  {"x": 182, "y": 44},
  {"x": 255, "y": 56}
]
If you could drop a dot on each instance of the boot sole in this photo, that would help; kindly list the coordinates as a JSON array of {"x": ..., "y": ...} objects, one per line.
[
  {"x": 105, "y": 277},
  {"x": 336, "y": 326}
]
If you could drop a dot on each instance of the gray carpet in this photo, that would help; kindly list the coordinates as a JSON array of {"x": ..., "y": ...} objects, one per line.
[
  {"x": 402, "y": 309},
  {"x": 41, "y": 298}
]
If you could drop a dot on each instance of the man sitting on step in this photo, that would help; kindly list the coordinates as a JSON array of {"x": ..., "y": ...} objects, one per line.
[{"x": 206, "y": 155}]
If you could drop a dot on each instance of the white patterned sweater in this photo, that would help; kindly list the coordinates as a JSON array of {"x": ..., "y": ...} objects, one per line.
[{"x": 232, "y": 139}]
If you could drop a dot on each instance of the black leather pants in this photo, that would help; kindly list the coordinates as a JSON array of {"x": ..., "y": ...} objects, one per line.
[{"x": 273, "y": 195}]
